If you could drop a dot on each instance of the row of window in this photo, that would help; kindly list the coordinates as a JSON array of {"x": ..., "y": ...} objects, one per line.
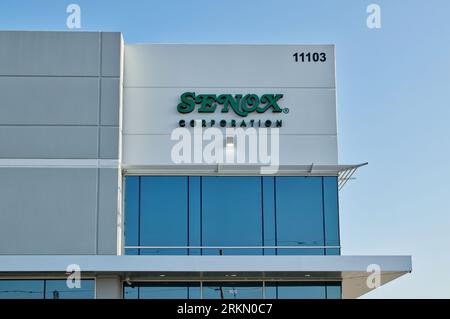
[
  {"x": 58, "y": 289},
  {"x": 46, "y": 289},
  {"x": 226, "y": 211},
  {"x": 233, "y": 290}
]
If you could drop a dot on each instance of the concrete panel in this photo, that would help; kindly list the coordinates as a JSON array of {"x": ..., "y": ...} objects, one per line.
[
  {"x": 154, "y": 110},
  {"x": 294, "y": 150},
  {"x": 47, "y": 211},
  {"x": 109, "y": 142},
  {"x": 179, "y": 65},
  {"x": 111, "y": 48},
  {"x": 48, "y": 142},
  {"x": 107, "y": 214},
  {"x": 110, "y": 101},
  {"x": 108, "y": 287},
  {"x": 49, "y": 53},
  {"x": 49, "y": 100}
]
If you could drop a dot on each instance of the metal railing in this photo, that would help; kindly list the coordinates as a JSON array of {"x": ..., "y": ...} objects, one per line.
[{"x": 231, "y": 247}]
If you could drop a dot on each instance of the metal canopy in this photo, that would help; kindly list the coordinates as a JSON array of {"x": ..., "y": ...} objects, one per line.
[
  {"x": 344, "y": 172},
  {"x": 352, "y": 271}
]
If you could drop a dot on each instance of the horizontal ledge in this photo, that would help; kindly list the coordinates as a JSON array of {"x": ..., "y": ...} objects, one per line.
[
  {"x": 232, "y": 247},
  {"x": 58, "y": 163},
  {"x": 230, "y": 169},
  {"x": 255, "y": 133},
  {"x": 165, "y": 263},
  {"x": 352, "y": 271},
  {"x": 57, "y": 76},
  {"x": 229, "y": 87}
]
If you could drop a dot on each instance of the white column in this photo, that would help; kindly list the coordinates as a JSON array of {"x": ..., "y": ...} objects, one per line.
[{"x": 108, "y": 287}]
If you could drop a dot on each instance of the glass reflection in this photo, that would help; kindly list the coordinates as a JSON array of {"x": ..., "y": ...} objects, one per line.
[
  {"x": 232, "y": 211},
  {"x": 234, "y": 290},
  {"x": 231, "y": 214},
  {"x": 299, "y": 214},
  {"x": 57, "y": 289},
  {"x": 295, "y": 290},
  {"x": 162, "y": 290},
  {"x": 45, "y": 289},
  {"x": 21, "y": 289},
  {"x": 331, "y": 213},
  {"x": 164, "y": 214},
  {"x": 229, "y": 290}
]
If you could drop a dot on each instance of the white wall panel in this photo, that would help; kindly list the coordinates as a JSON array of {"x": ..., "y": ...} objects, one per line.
[
  {"x": 49, "y": 100},
  {"x": 156, "y": 150},
  {"x": 154, "y": 110},
  {"x": 27, "y": 53},
  {"x": 180, "y": 65},
  {"x": 157, "y": 75}
]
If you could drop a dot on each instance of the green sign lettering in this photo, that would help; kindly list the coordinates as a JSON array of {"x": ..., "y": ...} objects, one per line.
[{"x": 241, "y": 105}]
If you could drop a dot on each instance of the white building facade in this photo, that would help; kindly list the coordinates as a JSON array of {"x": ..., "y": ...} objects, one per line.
[{"x": 172, "y": 171}]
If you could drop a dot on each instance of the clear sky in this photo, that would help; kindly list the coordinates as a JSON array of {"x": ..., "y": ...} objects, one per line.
[{"x": 393, "y": 88}]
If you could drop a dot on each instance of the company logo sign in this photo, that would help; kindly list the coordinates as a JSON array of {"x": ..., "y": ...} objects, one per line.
[
  {"x": 242, "y": 105},
  {"x": 229, "y": 144}
]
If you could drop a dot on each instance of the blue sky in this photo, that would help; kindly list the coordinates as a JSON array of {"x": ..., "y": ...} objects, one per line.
[{"x": 393, "y": 88}]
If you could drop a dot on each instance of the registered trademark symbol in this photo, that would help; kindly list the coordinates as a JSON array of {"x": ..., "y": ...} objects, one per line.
[{"x": 286, "y": 110}]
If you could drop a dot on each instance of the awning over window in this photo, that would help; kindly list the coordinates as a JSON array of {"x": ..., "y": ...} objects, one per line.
[{"x": 344, "y": 172}]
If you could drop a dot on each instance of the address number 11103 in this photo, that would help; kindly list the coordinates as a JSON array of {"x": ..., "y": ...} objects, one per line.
[{"x": 310, "y": 57}]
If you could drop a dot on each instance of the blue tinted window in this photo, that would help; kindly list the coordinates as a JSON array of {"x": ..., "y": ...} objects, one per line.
[
  {"x": 295, "y": 290},
  {"x": 162, "y": 290},
  {"x": 57, "y": 289},
  {"x": 130, "y": 291},
  {"x": 334, "y": 291},
  {"x": 299, "y": 214},
  {"x": 234, "y": 290},
  {"x": 194, "y": 214},
  {"x": 331, "y": 213},
  {"x": 268, "y": 214},
  {"x": 21, "y": 289},
  {"x": 132, "y": 213},
  {"x": 286, "y": 291},
  {"x": 227, "y": 290},
  {"x": 163, "y": 213},
  {"x": 231, "y": 213},
  {"x": 45, "y": 289}
]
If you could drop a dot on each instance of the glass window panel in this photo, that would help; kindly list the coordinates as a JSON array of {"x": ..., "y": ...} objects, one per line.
[
  {"x": 164, "y": 211},
  {"x": 130, "y": 291},
  {"x": 131, "y": 213},
  {"x": 299, "y": 214},
  {"x": 194, "y": 291},
  {"x": 270, "y": 290},
  {"x": 268, "y": 213},
  {"x": 21, "y": 289},
  {"x": 227, "y": 290},
  {"x": 334, "y": 291},
  {"x": 231, "y": 211},
  {"x": 331, "y": 212},
  {"x": 194, "y": 214},
  {"x": 300, "y": 290},
  {"x": 333, "y": 251},
  {"x": 57, "y": 289},
  {"x": 234, "y": 290},
  {"x": 163, "y": 291},
  {"x": 231, "y": 214}
]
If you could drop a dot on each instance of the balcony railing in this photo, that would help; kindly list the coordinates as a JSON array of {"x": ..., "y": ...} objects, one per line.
[{"x": 221, "y": 249}]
